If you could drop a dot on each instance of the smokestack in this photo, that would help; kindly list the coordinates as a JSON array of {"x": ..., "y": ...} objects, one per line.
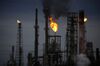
[
  {"x": 36, "y": 36},
  {"x": 46, "y": 13}
]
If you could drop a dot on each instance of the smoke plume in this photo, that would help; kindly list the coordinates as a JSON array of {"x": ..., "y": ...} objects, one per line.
[
  {"x": 82, "y": 60},
  {"x": 56, "y": 8}
]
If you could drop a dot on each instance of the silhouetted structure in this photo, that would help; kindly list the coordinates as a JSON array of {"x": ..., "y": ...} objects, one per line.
[
  {"x": 90, "y": 53},
  {"x": 46, "y": 13},
  {"x": 82, "y": 40},
  {"x": 72, "y": 37},
  {"x": 11, "y": 61},
  {"x": 30, "y": 60},
  {"x": 54, "y": 50},
  {"x": 33, "y": 60},
  {"x": 19, "y": 46},
  {"x": 36, "y": 39},
  {"x": 97, "y": 57}
]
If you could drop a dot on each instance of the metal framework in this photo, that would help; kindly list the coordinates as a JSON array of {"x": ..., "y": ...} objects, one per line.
[
  {"x": 11, "y": 61},
  {"x": 19, "y": 47},
  {"x": 82, "y": 40},
  {"x": 54, "y": 50},
  {"x": 72, "y": 37}
]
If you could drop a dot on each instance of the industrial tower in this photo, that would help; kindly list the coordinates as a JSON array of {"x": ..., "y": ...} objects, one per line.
[
  {"x": 46, "y": 13},
  {"x": 19, "y": 46},
  {"x": 36, "y": 38},
  {"x": 54, "y": 50},
  {"x": 34, "y": 60},
  {"x": 89, "y": 52},
  {"x": 82, "y": 40},
  {"x": 72, "y": 37}
]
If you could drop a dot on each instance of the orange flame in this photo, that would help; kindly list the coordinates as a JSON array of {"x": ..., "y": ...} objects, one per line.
[{"x": 53, "y": 25}]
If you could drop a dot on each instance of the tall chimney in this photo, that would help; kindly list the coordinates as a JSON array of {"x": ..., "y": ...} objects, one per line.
[
  {"x": 46, "y": 37},
  {"x": 36, "y": 36}
]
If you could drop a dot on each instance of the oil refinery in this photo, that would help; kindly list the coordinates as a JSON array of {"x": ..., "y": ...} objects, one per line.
[
  {"x": 77, "y": 50},
  {"x": 51, "y": 45}
]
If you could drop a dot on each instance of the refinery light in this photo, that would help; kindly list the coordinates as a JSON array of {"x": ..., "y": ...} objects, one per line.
[
  {"x": 85, "y": 19},
  {"x": 18, "y": 21}
]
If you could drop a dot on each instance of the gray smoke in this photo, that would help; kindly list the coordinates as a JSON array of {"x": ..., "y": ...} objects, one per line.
[
  {"x": 82, "y": 60},
  {"x": 57, "y": 8}
]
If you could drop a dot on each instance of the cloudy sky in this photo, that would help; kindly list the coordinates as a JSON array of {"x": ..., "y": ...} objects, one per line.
[{"x": 25, "y": 10}]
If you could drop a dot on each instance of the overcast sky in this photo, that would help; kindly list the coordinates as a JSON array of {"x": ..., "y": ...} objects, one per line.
[{"x": 25, "y": 9}]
